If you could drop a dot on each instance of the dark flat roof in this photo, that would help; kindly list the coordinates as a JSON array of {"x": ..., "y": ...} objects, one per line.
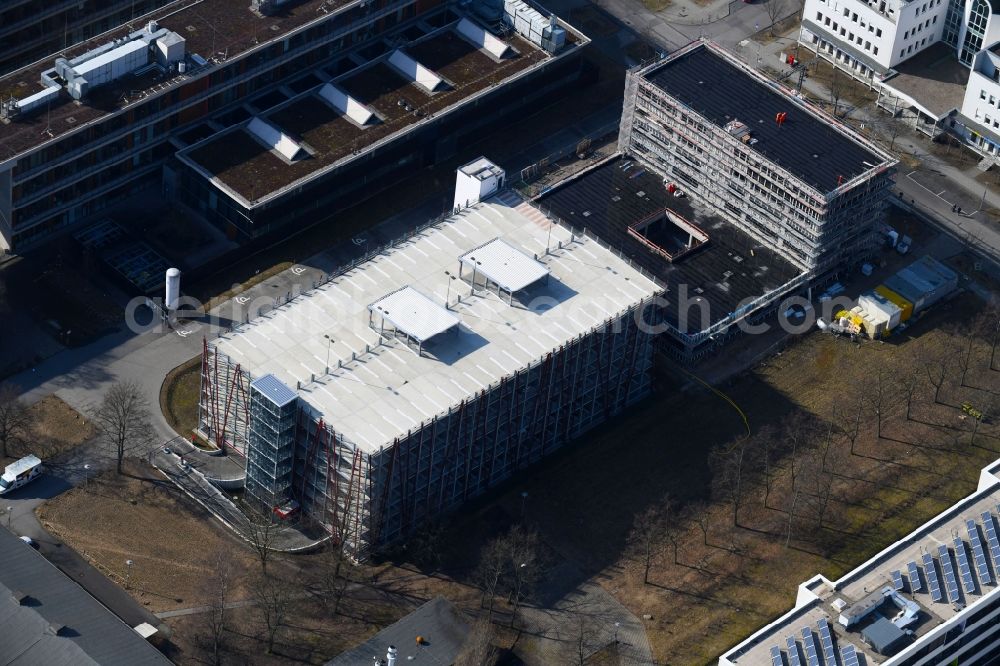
[
  {"x": 441, "y": 625},
  {"x": 810, "y": 147},
  {"x": 29, "y": 629},
  {"x": 211, "y": 27},
  {"x": 253, "y": 172},
  {"x": 608, "y": 198}
]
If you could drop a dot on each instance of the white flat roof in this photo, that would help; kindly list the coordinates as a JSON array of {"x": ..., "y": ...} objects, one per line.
[
  {"x": 510, "y": 268},
  {"x": 379, "y": 389},
  {"x": 982, "y": 508},
  {"x": 414, "y": 314}
]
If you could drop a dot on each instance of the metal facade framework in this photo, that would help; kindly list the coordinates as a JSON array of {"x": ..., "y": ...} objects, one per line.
[{"x": 774, "y": 189}]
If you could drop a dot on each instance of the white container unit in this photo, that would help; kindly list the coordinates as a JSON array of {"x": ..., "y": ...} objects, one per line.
[{"x": 115, "y": 63}]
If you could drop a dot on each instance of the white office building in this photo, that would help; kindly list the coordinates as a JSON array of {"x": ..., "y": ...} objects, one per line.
[{"x": 933, "y": 61}]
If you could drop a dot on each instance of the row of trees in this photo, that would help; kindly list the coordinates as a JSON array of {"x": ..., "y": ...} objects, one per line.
[{"x": 796, "y": 479}]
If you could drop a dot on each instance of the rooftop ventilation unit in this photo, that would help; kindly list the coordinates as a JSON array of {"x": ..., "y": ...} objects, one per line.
[
  {"x": 482, "y": 38},
  {"x": 533, "y": 25},
  {"x": 346, "y": 104},
  {"x": 275, "y": 139},
  {"x": 414, "y": 71}
]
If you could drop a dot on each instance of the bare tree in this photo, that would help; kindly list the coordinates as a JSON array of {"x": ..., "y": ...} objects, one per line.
[
  {"x": 13, "y": 418},
  {"x": 261, "y": 531},
  {"x": 335, "y": 577},
  {"x": 221, "y": 583},
  {"x": 523, "y": 561},
  {"x": 489, "y": 571},
  {"x": 273, "y": 602},
  {"x": 774, "y": 9},
  {"x": 479, "y": 649},
  {"x": 123, "y": 419},
  {"x": 646, "y": 534},
  {"x": 838, "y": 86},
  {"x": 728, "y": 472}
]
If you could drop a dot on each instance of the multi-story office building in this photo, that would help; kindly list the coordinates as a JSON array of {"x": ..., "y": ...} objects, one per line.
[
  {"x": 930, "y": 598},
  {"x": 933, "y": 61},
  {"x": 255, "y": 114},
  {"x": 432, "y": 370},
  {"x": 871, "y": 38},
  {"x": 32, "y": 29},
  {"x": 778, "y": 168}
]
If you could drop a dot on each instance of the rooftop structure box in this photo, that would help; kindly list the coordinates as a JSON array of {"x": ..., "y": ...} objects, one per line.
[{"x": 780, "y": 169}]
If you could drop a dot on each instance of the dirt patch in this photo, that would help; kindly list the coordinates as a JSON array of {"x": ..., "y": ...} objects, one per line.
[
  {"x": 179, "y": 396},
  {"x": 56, "y": 427},
  {"x": 657, "y": 5},
  {"x": 139, "y": 516}
]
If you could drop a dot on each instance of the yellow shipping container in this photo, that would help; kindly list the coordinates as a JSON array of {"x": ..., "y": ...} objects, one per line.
[{"x": 904, "y": 305}]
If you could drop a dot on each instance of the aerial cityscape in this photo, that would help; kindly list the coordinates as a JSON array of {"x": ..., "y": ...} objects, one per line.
[{"x": 498, "y": 332}]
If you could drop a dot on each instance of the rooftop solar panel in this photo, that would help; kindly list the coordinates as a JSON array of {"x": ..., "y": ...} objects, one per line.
[
  {"x": 964, "y": 570},
  {"x": 991, "y": 540},
  {"x": 950, "y": 582},
  {"x": 897, "y": 580},
  {"x": 776, "y": 658},
  {"x": 978, "y": 554},
  {"x": 826, "y": 642},
  {"x": 930, "y": 571},
  {"x": 849, "y": 655},
  {"x": 914, "y": 575},
  {"x": 793, "y": 651},
  {"x": 809, "y": 643}
]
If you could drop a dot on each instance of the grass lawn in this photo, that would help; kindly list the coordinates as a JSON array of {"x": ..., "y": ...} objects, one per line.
[{"x": 179, "y": 396}]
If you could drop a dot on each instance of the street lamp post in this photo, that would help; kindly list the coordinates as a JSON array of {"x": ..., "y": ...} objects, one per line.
[
  {"x": 617, "y": 627},
  {"x": 329, "y": 343},
  {"x": 524, "y": 498},
  {"x": 128, "y": 572},
  {"x": 10, "y": 512},
  {"x": 86, "y": 476}
]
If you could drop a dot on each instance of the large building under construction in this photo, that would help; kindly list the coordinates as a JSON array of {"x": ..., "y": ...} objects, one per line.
[
  {"x": 257, "y": 113},
  {"x": 432, "y": 370},
  {"x": 778, "y": 168}
]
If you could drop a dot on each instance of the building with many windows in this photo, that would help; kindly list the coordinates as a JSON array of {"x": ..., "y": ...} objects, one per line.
[
  {"x": 933, "y": 597},
  {"x": 431, "y": 370},
  {"x": 255, "y": 114},
  {"x": 32, "y": 29},
  {"x": 932, "y": 60}
]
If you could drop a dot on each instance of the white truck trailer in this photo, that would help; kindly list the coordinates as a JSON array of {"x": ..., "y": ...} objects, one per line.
[{"x": 19, "y": 473}]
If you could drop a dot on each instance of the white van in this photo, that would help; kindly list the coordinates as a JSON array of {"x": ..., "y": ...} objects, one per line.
[{"x": 18, "y": 473}]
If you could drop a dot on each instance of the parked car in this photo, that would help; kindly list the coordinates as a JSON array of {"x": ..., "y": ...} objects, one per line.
[{"x": 31, "y": 542}]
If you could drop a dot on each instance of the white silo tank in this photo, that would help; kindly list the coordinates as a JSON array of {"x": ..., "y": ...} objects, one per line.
[{"x": 173, "y": 289}]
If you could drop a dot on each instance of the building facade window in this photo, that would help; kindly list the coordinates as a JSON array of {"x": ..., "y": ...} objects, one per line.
[{"x": 976, "y": 29}]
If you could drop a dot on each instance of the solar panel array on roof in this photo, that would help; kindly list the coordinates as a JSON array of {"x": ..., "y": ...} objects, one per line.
[
  {"x": 964, "y": 570},
  {"x": 933, "y": 584},
  {"x": 914, "y": 575},
  {"x": 812, "y": 650},
  {"x": 794, "y": 659},
  {"x": 807, "y": 146},
  {"x": 991, "y": 540},
  {"x": 826, "y": 642},
  {"x": 776, "y": 658},
  {"x": 950, "y": 582},
  {"x": 978, "y": 554},
  {"x": 897, "y": 580},
  {"x": 849, "y": 655}
]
